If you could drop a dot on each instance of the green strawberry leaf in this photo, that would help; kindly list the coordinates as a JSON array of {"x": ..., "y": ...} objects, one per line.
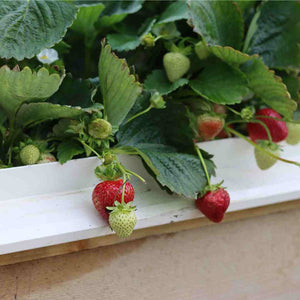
[
  {"x": 85, "y": 22},
  {"x": 174, "y": 12},
  {"x": 125, "y": 42},
  {"x": 169, "y": 126},
  {"x": 181, "y": 173},
  {"x": 27, "y": 27},
  {"x": 116, "y": 11},
  {"x": 74, "y": 92},
  {"x": 158, "y": 80},
  {"x": 66, "y": 150},
  {"x": 35, "y": 113},
  {"x": 229, "y": 55},
  {"x": 118, "y": 87},
  {"x": 293, "y": 85},
  {"x": 25, "y": 86},
  {"x": 269, "y": 87},
  {"x": 163, "y": 139},
  {"x": 221, "y": 84},
  {"x": 218, "y": 22},
  {"x": 275, "y": 34}
]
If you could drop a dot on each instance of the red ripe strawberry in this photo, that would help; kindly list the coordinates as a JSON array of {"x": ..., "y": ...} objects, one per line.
[
  {"x": 278, "y": 129},
  {"x": 214, "y": 204},
  {"x": 107, "y": 192},
  {"x": 209, "y": 126}
]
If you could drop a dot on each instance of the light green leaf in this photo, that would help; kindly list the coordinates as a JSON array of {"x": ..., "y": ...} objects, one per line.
[
  {"x": 269, "y": 87},
  {"x": 275, "y": 34},
  {"x": 229, "y": 55},
  {"x": 174, "y": 12},
  {"x": 181, "y": 173},
  {"x": 66, "y": 150},
  {"x": 158, "y": 80},
  {"x": 218, "y": 22},
  {"x": 221, "y": 84},
  {"x": 27, "y": 27},
  {"x": 34, "y": 113},
  {"x": 85, "y": 21},
  {"x": 118, "y": 87},
  {"x": 25, "y": 86}
]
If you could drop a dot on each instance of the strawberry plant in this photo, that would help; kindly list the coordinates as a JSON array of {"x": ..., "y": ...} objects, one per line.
[{"x": 103, "y": 78}]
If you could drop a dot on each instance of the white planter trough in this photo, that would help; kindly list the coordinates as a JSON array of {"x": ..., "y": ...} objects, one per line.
[{"x": 50, "y": 204}]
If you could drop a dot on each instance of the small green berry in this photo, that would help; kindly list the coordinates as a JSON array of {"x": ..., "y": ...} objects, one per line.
[
  {"x": 148, "y": 40},
  {"x": 157, "y": 101},
  {"x": 29, "y": 155},
  {"x": 293, "y": 137},
  {"x": 265, "y": 161},
  {"x": 202, "y": 50},
  {"x": 99, "y": 129}
]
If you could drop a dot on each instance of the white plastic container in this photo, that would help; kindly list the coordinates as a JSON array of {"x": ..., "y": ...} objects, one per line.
[{"x": 49, "y": 204}]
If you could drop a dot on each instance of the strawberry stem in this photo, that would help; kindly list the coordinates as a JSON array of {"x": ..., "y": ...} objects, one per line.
[
  {"x": 139, "y": 114},
  {"x": 236, "y": 133},
  {"x": 203, "y": 165},
  {"x": 90, "y": 148}
]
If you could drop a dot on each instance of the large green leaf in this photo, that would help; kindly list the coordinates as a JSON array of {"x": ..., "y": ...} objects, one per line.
[
  {"x": 118, "y": 87},
  {"x": 181, "y": 173},
  {"x": 169, "y": 126},
  {"x": 85, "y": 21},
  {"x": 276, "y": 34},
  {"x": 218, "y": 22},
  {"x": 269, "y": 87},
  {"x": 293, "y": 85},
  {"x": 27, "y": 27},
  {"x": 163, "y": 139},
  {"x": 34, "y": 113},
  {"x": 261, "y": 80},
  {"x": 174, "y": 12},
  {"x": 158, "y": 80},
  {"x": 25, "y": 86},
  {"x": 221, "y": 84}
]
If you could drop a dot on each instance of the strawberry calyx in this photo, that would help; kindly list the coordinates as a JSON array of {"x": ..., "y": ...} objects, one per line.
[
  {"x": 121, "y": 207},
  {"x": 268, "y": 145},
  {"x": 211, "y": 188}
]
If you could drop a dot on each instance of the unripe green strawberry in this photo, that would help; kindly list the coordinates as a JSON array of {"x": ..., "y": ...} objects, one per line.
[
  {"x": 122, "y": 219},
  {"x": 202, "y": 50},
  {"x": 46, "y": 158},
  {"x": 265, "y": 161},
  {"x": 148, "y": 40},
  {"x": 293, "y": 137},
  {"x": 29, "y": 155},
  {"x": 99, "y": 129},
  {"x": 176, "y": 65}
]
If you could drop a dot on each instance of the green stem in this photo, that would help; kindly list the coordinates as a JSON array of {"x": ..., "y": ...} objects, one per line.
[
  {"x": 90, "y": 148},
  {"x": 233, "y": 110},
  {"x": 139, "y": 114},
  {"x": 254, "y": 121},
  {"x": 136, "y": 175},
  {"x": 261, "y": 148},
  {"x": 203, "y": 165},
  {"x": 123, "y": 189}
]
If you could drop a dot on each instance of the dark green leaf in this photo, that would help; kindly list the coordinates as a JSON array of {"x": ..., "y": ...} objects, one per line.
[
  {"x": 174, "y": 12},
  {"x": 181, "y": 173},
  {"x": 169, "y": 126},
  {"x": 119, "y": 89},
  {"x": 293, "y": 85},
  {"x": 66, "y": 150},
  {"x": 221, "y": 84},
  {"x": 158, "y": 80},
  {"x": 74, "y": 92},
  {"x": 275, "y": 34},
  {"x": 27, "y": 27},
  {"x": 218, "y": 22}
]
